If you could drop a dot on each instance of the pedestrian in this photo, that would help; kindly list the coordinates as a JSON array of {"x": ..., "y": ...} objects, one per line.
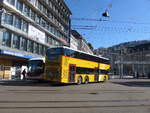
[
  {"x": 137, "y": 75},
  {"x": 24, "y": 74},
  {"x": 143, "y": 75}
]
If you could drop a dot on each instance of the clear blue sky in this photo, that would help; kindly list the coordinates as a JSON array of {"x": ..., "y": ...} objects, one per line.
[{"x": 129, "y": 20}]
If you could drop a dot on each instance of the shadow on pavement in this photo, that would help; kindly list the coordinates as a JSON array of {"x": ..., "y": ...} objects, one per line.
[
  {"x": 30, "y": 83},
  {"x": 134, "y": 83}
]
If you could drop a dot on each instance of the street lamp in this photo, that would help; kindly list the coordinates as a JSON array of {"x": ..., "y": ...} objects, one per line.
[{"x": 105, "y": 14}]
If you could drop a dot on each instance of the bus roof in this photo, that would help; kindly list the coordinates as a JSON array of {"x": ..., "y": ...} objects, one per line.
[{"x": 80, "y": 52}]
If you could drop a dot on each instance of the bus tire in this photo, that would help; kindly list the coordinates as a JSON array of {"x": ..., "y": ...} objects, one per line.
[
  {"x": 79, "y": 81},
  {"x": 86, "y": 80}
]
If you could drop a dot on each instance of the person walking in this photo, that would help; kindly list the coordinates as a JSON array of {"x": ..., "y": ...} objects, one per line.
[{"x": 24, "y": 74}]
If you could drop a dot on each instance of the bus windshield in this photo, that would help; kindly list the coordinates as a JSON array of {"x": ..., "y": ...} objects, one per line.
[
  {"x": 55, "y": 51},
  {"x": 35, "y": 66}
]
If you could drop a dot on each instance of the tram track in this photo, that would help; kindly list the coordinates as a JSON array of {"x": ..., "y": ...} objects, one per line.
[
  {"x": 82, "y": 101},
  {"x": 91, "y": 92},
  {"x": 65, "y": 107}
]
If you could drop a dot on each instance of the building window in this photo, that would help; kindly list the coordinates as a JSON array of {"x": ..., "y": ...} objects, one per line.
[
  {"x": 57, "y": 43},
  {"x": 6, "y": 39},
  {"x": 44, "y": 10},
  {"x": 44, "y": 50},
  {"x": 8, "y": 19},
  {"x": 47, "y": 26},
  {"x": 41, "y": 49},
  {"x": 25, "y": 26},
  {"x": 32, "y": 2},
  {"x": 32, "y": 15},
  {"x": 16, "y": 42},
  {"x": 30, "y": 46},
  {"x": 39, "y": 5},
  {"x": 27, "y": 11},
  {"x": 37, "y": 20},
  {"x": 0, "y": 17},
  {"x": 50, "y": 40},
  {"x": 23, "y": 44},
  {"x": 17, "y": 23},
  {"x": 46, "y": 39},
  {"x": 36, "y": 48},
  {"x": 50, "y": 28},
  {"x": 19, "y": 6},
  {"x": 12, "y": 2},
  {"x": 50, "y": 4},
  {"x": 43, "y": 23},
  {"x": 49, "y": 15}
]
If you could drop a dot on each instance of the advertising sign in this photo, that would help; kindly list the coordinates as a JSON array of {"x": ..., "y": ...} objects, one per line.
[
  {"x": 36, "y": 34},
  {"x": 16, "y": 54}
]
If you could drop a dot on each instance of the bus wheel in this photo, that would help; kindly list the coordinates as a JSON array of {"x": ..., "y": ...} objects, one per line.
[
  {"x": 86, "y": 80},
  {"x": 79, "y": 81}
]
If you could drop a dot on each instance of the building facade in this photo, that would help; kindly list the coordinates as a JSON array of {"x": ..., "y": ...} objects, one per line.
[
  {"x": 129, "y": 59},
  {"x": 73, "y": 42},
  {"x": 84, "y": 46},
  {"x": 28, "y": 28},
  {"x": 79, "y": 43}
]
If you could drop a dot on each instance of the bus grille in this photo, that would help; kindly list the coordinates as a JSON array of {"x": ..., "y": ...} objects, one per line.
[{"x": 52, "y": 73}]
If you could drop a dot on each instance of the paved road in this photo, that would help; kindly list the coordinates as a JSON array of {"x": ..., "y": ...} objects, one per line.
[{"x": 114, "y": 96}]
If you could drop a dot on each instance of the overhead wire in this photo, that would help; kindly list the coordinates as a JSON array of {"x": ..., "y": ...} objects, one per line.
[{"x": 128, "y": 29}]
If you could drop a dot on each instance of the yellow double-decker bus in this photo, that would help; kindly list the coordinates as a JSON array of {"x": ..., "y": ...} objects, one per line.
[{"x": 65, "y": 65}]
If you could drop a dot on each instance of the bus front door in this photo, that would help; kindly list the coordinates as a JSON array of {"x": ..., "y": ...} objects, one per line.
[
  {"x": 72, "y": 72},
  {"x": 96, "y": 75}
]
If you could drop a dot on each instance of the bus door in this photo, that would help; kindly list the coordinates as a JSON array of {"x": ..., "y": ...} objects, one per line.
[
  {"x": 72, "y": 72},
  {"x": 96, "y": 75},
  {"x": 1, "y": 71}
]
